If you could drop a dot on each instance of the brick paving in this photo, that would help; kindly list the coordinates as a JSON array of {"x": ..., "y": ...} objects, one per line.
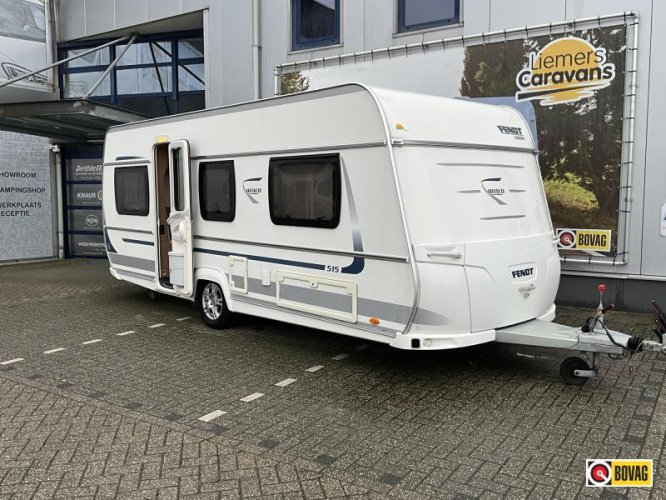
[{"x": 120, "y": 417}]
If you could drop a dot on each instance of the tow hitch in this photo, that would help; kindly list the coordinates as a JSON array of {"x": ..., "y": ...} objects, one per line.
[{"x": 593, "y": 337}]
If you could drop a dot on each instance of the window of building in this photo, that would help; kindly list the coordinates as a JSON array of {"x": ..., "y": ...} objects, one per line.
[
  {"x": 421, "y": 14},
  {"x": 158, "y": 75},
  {"x": 315, "y": 23},
  {"x": 217, "y": 191},
  {"x": 131, "y": 189},
  {"x": 305, "y": 191}
]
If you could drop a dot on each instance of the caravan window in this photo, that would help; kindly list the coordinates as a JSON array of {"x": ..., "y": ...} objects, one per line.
[
  {"x": 131, "y": 184},
  {"x": 305, "y": 191},
  {"x": 217, "y": 191}
]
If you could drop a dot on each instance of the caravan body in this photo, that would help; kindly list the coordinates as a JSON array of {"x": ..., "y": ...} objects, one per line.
[{"x": 408, "y": 219}]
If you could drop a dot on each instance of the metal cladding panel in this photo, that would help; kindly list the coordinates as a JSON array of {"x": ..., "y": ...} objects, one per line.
[
  {"x": 514, "y": 13},
  {"x": 654, "y": 245},
  {"x": 72, "y": 16},
  {"x": 275, "y": 25},
  {"x": 130, "y": 12},
  {"x": 476, "y": 16},
  {"x": 236, "y": 62},
  {"x": 100, "y": 16},
  {"x": 380, "y": 24},
  {"x": 353, "y": 26},
  {"x": 158, "y": 9}
]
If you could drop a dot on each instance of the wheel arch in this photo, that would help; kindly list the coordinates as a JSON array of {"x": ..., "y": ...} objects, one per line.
[{"x": 203, "y": 274}]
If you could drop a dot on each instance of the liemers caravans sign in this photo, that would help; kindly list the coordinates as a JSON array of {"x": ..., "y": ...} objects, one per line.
[{"x": 566, "y": 70}]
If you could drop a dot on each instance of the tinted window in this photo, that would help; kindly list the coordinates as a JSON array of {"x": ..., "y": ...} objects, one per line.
[
  {"x": 315, "y": 23},
  {"x": 421, "y": 14},
  {"x": 131, "y": 185},
  {"x": 305, "y": 191},
  {"x": 217, "y": 198}
]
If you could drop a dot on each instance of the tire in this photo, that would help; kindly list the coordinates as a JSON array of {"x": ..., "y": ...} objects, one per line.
[
  {"x": 569, "y": 366},
  {"x": 212, "y": 306}
]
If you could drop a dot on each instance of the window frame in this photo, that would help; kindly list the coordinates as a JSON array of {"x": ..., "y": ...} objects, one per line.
[
  {"x": 403, "y": 28},
  {"x": 232, "y": 191},
  {"x": 334, "y": 159},
  {"x": 298, "y": 44},
  {"x": 167, "y": 99},
  {"x": 133, "y": 213}
]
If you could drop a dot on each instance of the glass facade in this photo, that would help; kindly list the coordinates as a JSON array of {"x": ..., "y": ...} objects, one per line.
[{"x": 158, "y": 75}]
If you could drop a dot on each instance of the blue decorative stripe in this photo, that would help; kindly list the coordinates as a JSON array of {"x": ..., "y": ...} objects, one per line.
[
  {"x": 139, "y": 242},
  {"x": 295, "y": 263}
]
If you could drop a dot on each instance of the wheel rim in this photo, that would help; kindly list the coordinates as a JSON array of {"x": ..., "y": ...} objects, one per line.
[{"x": 212, "y": 301}]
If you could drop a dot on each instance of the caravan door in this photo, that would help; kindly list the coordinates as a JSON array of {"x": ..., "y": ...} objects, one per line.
[{"x": 180, "y": 219}]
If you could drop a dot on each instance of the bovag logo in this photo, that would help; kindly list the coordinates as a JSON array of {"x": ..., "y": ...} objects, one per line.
[{"x": 625, "y": 473}]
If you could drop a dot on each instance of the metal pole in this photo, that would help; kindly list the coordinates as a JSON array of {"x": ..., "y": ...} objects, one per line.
[
  {"x": 111, "y": 66},
  {"x": 58, "y": 63}
]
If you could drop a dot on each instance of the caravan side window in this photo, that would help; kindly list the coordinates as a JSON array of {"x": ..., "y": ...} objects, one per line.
[
  {"x": 131, "y": 186},
  {"x": 305, "y": 191},
  {"x": 217, "y": 191}
]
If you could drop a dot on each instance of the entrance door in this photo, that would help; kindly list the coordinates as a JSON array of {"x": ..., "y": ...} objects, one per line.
[{"x": 180, "y": 219}]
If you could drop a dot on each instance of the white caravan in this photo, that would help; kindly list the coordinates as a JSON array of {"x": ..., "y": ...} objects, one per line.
[{"x": 408, "y": 219}]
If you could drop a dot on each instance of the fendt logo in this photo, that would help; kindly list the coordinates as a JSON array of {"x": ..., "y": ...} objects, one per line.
[
  {"x": 516, "y": 132},
  {"x": 493, "y": 187},
  {"x": 522, "y": 273}
]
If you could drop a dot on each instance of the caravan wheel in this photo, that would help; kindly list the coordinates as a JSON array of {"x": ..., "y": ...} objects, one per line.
[{"x": 212, "y": 305}]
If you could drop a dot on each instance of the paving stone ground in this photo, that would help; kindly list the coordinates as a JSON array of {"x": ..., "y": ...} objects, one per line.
[{"x": 119, "y": 417}]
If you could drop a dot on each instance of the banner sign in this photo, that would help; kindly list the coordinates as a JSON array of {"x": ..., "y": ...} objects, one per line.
[
  {"x": 569, "y": 84},
  {"x": 26, "y": 212}
]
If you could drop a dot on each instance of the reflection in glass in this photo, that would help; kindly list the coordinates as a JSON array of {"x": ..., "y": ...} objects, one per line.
[
  {"x": 191, "y": 48},
  {"x": 418, "y": 14},
  {"x": 145, "y": 53},
  {"x": 317, "y": 22},
  {"x": 144, "y": 80},
  {"x": 97, "y": 58},
  {"x": 78, "y": 84},
  {"x": 191, "y": 77},
  {"x": 23, "y": 20}
]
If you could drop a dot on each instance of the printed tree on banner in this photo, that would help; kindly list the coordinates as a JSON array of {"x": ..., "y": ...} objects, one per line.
[
  {"x": 293, "y": 82},
  {"x": 579, "y": 142}
]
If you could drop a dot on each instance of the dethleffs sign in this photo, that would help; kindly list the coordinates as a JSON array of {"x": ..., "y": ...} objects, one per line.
[{"x": 566, "y": 70}]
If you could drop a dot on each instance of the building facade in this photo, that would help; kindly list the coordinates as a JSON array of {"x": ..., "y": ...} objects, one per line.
[{"x": 190, "y": 54}]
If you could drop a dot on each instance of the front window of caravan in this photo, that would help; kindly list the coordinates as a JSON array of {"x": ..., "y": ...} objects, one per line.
[
  {"x": 217, "y": 197},
  {"x": 315, "y": 23},
  {"x": 416, "y": 15},
  {"x": 131, "y": 190},
  {"x": 305, "y": 191}
]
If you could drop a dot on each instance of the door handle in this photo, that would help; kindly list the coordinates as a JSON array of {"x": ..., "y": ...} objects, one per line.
[{"x": 452, "y": 254}]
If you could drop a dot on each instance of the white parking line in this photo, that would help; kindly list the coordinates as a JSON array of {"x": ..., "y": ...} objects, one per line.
[
  {"x": 10, "y": 361},
  {"x": 212, "y": 415},
  {"x": 156, "y": 326},
  {"x": 251, "y": 397},
  {"x": 340, "y": 357},
  {"x": 51, "y": 351},
  {"x": 183, "y": 319},
  {"x": 94, "y": 341},
  {"x": 286, "y": 382},
  {"x": 313, "y": 369},
  {"x": 124, "y": 333}
]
